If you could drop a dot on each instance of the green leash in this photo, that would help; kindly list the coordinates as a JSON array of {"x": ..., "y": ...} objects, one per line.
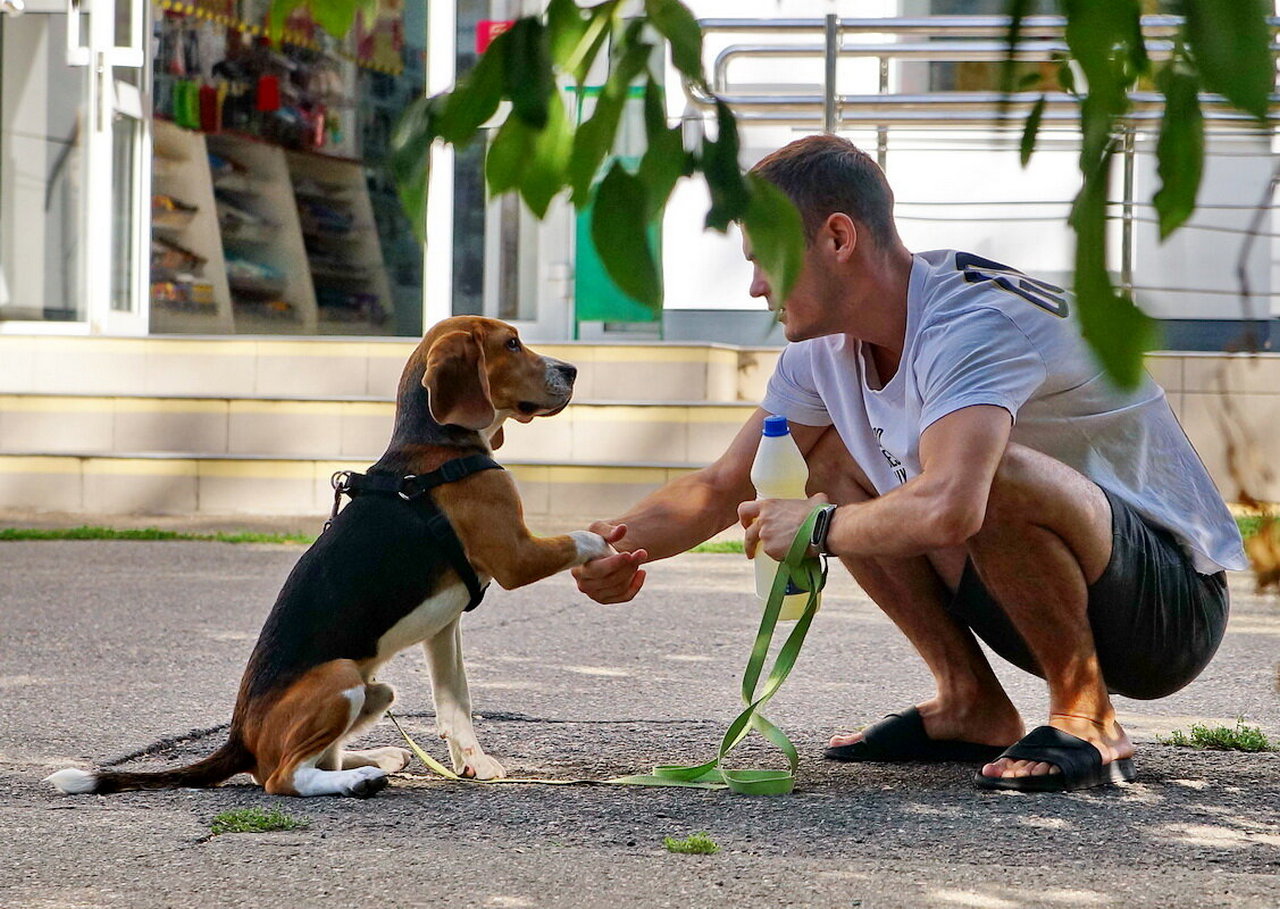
[{"x": 808, "y": 574}]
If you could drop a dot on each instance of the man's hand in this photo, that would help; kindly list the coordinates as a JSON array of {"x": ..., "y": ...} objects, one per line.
[
  {"x": 772, "y": 523},
  {"x": 615, "y": 578}
]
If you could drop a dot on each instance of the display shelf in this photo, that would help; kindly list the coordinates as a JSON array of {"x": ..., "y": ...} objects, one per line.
[
  {"x": 349, "y": 276},
  {"x": 285, "y": 240},
  {"x": 266, "y": 260},
  {"x": 185, "y": 230}
]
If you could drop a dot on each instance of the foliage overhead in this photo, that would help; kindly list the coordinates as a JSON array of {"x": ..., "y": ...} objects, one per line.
[
  {"x": 529, "y": 83},
  {"x": 1222, "y": 46}
]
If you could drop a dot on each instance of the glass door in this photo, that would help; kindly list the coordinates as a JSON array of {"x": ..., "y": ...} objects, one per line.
[{"x": 72, "y": 167}]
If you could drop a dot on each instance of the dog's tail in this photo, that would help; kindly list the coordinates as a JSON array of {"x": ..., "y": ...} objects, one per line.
[{"x": 226, "y": 762}]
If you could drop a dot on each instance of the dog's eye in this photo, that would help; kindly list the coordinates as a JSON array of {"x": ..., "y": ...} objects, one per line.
[{"x": 513, "y": 344}]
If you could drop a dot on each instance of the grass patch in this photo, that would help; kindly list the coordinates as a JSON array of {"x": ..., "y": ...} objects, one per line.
[
  {"x": 87, "y": 532},
  {"x": 1220, "y": 738},
  {"x": 1249, "y": 524},
  {"x": 734, "y": 546},
  {"x": 694, "y": 844},
  {"x": 254, "y": 820}
]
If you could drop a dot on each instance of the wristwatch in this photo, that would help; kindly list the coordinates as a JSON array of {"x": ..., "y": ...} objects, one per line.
[{"x": 821, "y": 527}]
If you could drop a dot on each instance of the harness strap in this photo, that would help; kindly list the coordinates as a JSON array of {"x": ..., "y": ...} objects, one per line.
[{"x": 415, "y": 488}]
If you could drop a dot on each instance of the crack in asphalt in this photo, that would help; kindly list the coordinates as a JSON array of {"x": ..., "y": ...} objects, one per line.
[{"x": 192, "y": 735}]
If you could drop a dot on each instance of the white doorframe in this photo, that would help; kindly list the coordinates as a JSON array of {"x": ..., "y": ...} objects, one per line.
[{"x": 109, "y": 104}]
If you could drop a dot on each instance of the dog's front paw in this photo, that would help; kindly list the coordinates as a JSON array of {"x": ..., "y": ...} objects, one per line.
[
  {"x": 483, "y": 767},
  {"x": 474, "y": 764},
  {"x": 590, "y": 545}
]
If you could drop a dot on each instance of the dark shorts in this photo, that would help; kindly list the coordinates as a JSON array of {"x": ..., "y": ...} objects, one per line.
[{"x": 1156, "y": 621}]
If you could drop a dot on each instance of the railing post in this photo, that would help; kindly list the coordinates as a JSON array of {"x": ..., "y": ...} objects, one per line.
[
  {"x": 1126, "y": 213},
  {"x": 882, "y": 131},
  {"x": 832, "y": 57}
]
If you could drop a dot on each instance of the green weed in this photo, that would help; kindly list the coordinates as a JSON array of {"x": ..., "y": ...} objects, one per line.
[
  {"x": 734, "y": 546},
  {"x": 694, "y": 844},
  {"x": 254, "y": 820},
  {"x": 1220, "y": 738},
  {"x": 148, "y": 533}
]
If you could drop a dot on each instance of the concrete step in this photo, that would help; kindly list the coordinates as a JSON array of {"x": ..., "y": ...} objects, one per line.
[
  {"x": 210, "y": 485},
  {"x": 691, "y": 433},
  {"x": 323, "y": 367}
]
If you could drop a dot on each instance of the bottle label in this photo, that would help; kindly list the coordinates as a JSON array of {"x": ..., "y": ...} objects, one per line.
[{"x": 793, "y": 589}]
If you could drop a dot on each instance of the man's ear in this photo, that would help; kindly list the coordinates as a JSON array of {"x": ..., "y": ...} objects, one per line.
[
  {"x": 842, "y": 234},
  {"x": 456, "y": 381}
]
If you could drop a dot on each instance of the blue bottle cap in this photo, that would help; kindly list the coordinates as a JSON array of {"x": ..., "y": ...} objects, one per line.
[{"x": 776, "y": 426}]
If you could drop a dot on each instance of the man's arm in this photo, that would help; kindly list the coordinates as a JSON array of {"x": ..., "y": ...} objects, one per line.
[
  {"x": 939, "y": 509},
  {"x": 680, "y": 515}
]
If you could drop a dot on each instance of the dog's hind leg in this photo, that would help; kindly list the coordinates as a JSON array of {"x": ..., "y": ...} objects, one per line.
[
  {"x": 377, "y": 698},
  {"x": 453, "y": 705},
  {"x": 308, "y": 721}
]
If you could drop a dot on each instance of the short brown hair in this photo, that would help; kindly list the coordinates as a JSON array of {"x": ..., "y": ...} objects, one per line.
[{"x": 825, "y": 174}]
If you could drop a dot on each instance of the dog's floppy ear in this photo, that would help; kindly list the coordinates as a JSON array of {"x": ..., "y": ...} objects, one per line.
[
  {"x": 496, "y": 440},
  {"x": 456, "y": 381}
]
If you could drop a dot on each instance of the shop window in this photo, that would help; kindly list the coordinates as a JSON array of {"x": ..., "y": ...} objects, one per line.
[
  {"x": 273, "y": 207},
  {"x": 41, "y": 152}
]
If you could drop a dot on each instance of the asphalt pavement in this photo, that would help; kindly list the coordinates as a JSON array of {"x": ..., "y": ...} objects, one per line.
[{"x": 131, "y": 653}]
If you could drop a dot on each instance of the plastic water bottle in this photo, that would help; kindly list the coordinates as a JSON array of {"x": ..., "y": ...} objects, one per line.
[{"x": 778, "y": 472}]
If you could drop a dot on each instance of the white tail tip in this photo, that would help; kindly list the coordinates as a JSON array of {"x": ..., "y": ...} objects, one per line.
[{"x": 73, "y": 781}]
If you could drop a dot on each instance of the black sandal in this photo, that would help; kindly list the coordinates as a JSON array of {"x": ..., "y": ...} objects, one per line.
[
  {"x": 1079, "y": 760},
  {"x": 900, "y": 738}
]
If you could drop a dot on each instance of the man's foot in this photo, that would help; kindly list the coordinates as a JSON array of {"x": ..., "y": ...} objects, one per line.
[
  {"x": 1107, "y": 736},
  {"x": 981, "y": 725}
]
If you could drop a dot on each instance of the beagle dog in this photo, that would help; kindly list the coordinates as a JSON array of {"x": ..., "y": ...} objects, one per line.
[{"x": 376, "y": 581}]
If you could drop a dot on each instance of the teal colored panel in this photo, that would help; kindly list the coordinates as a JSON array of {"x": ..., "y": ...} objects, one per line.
[{"x": 596, "y": 297}]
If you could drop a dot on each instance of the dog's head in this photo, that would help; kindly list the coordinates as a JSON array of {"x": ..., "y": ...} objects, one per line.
[{"x": 478, "y": 372}]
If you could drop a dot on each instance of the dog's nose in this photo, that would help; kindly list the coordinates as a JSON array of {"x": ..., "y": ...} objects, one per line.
[{"x": 568, "y": 370}]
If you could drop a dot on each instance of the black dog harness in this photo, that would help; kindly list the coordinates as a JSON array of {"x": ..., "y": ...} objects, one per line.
[{"x": 415, "y": 488}]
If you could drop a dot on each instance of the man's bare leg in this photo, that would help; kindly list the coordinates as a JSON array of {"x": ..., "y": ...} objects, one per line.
[
  {"x": 970, "y": 704},
  {"x": 1046, "y": 537}
]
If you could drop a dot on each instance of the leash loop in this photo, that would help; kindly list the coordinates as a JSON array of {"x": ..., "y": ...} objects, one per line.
[
  {"x": 807, "y": 572},
  {"x": 340, "y": 481},
  {"x": 407, "y": 490}
]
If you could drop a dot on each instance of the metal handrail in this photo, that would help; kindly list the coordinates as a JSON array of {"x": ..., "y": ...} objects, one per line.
[{"x": 1041, "y": 39}]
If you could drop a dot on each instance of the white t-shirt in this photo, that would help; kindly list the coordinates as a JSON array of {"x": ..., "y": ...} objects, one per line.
[{"x": 981, "y": 333}]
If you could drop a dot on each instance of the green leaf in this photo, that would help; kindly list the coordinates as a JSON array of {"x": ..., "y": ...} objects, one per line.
[
  {"x": 1180, "y": 148},
  {"x": 674, "y": 22},
  {"x": 1230, "y": 42},
  {"x": 619, "y": 232},
  {"x": 1094, "y": 30},
  {"x": 1116, "y": 330},
  {"x": 595, "y": 137},
  {"x": 1018, "y": 9},
  {"x": 334, "y": 16},
  {"x": 1066, "y": 75},
  {"x": 528, "y": 79},
  {"x": 665, "y": 161},
  {"x": 729, "y": 194},
  {"x": 476, "y": 99},
  {"x": 410, "y": 159},
  {"x": 593, "y": 37},
  {"x": 775, "y": 231},
  {"x": 509, "y": 155},
  {"x": 591, "y": 143},
  {"x": 281, "y": 10},
  {"x": 544, "y": 175},
  {"x": 566, "y": 27},
  {"x": 1030, "y": 130}
]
